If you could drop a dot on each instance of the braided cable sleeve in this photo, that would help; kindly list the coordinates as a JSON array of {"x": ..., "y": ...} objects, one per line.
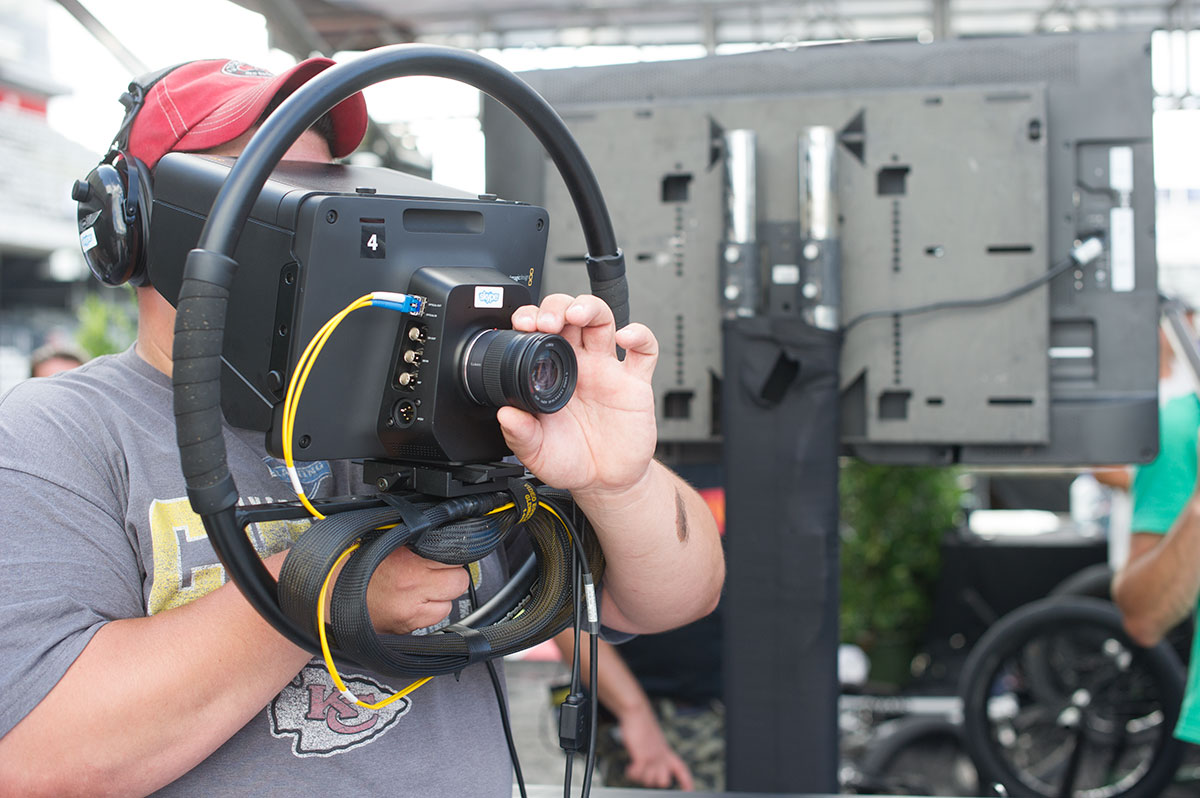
[
  {"x": 313, "y": 555},
  {"x": 531, "y": 615}
]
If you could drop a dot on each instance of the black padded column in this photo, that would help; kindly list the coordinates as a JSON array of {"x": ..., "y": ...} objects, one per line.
[{"x": 780, "y": 430}]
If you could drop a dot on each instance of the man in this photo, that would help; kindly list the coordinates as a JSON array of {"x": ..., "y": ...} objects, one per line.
[
  {"x": 1158, "y": 586},
  {"x": 52, "y": 358},
  {"x": 130, "y": 667}
]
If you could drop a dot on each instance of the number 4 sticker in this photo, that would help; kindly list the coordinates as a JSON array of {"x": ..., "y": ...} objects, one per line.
[{"x": 372, "y": 241}]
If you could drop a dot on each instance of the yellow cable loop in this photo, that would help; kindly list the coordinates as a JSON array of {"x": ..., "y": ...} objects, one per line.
[
  {"x": 300, "y": 377},
  {"x": 333, "y": 671},
  {"x": 327, "y": 655},
  {"x": 291, "y": 403}
]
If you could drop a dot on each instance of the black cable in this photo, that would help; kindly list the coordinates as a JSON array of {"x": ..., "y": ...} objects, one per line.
[
  {"x": 505, "y": 601},
  {"x": 508, "y": 735},
  {"x": 574, "y": 528},
  {"x": 582, "y": 580},
  {"x": 965, "y": 303},
  {"x": 500, "y": 702},
  {"x": 555, "y": 499},
  {"x": 576, "y": 590},
  {"x": 575, "y": 660},
  {"x": 593, "y": 729}
]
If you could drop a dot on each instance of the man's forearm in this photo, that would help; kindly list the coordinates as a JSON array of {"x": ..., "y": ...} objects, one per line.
[
  {"x": 148, "y": 699},
  {"x": 664, "y": 564},
  {"x": 1158, "y": 587}
]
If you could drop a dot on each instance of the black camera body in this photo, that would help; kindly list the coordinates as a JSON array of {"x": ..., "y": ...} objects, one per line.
[
  {"x": 430, "y": 412},
  {"x": 386, "y": 385}
]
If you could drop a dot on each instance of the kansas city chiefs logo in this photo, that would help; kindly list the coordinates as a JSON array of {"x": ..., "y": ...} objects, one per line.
[
  {"x": 242, "y": 70},
  {"x": 321, "y": 722}
]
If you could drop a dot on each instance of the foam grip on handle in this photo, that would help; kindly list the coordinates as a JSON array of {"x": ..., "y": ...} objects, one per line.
[{"x": 199, "y": 336}]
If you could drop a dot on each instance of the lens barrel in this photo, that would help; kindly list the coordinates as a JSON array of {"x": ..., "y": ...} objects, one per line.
[{"x": 533, "y": 371}]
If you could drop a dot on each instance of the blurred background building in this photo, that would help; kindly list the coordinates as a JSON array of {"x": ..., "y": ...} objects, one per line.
[
  {"x": 42, "y": 274},
  {"x": 63, "y": 63}
]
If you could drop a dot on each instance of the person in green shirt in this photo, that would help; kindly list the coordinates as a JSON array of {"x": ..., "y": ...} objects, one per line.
[{"x": 1159, "y": 585}]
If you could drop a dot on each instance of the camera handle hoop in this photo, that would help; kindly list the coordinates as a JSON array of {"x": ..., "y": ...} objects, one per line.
[{"x": 209, "y": 270}]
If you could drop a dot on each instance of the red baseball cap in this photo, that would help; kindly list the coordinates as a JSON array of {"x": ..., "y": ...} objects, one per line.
[{"x": 202, "y": 104}]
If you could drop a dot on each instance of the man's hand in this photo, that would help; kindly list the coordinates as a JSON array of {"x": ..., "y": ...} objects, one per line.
[
  {"x": 604, "y": 438},
  {"x": 652, "y": 761},
  {"x": 663, "y": 561},
  {"x": 409, "y": 592}
]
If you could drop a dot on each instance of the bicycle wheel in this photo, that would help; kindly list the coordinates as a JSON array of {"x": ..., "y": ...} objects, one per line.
[
  {"x": 919, "y": 755},
  {"x": 1101, "y": 729},
  {"x": 1094, "y": 580}
]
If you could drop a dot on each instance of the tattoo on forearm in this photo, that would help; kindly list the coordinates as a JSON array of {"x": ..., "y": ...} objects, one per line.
[{"x": 681, "y": 522}]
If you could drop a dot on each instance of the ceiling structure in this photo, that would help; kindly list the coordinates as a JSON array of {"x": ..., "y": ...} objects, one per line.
[
  {"x": 305, "y": 26},
  {"x": 308, "y": 27}
]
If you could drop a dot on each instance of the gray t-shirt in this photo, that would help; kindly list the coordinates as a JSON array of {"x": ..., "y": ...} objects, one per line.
[{"x": 97, "y": 527}]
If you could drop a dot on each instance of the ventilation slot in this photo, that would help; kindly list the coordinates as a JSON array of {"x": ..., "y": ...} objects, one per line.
[
  {"x": 892, "y": 181},
  {"x": 893, "y": 405}
]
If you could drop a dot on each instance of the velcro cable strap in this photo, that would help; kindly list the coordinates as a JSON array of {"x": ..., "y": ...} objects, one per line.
[
  {"x": 478, "y": 647},
  {"x": 414, "y": 517},
  {"x": 524, "y": 497}
]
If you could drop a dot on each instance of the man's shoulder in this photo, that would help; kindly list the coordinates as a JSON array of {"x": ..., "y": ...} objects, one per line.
[
  {"x": 1181, "y": 410},
  {"x": 1178, "y": 425},
  {"x": 1161, "y": 487},
  {"x": 78, "y": 388},
  {"x": 59, "y": 413}
]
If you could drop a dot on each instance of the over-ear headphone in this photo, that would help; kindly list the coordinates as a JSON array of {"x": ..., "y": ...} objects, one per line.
[{"x": 115, "y": 200}]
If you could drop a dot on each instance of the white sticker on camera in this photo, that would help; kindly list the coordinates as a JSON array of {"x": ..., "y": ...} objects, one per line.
[
  {"x": 87, "y": 239},
  {"x": 489, "y": 296}
]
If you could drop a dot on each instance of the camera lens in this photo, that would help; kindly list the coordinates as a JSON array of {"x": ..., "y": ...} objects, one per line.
[{"x": 533, "y": 371}]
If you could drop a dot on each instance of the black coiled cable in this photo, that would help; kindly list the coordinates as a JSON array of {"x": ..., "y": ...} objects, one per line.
[{"x": 456, "y": 532}]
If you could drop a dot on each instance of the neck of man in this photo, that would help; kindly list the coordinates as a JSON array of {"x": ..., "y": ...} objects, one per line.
[{"x": 156, "y": 329}]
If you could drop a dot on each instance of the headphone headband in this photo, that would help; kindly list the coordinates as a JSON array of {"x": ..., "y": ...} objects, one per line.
[
  {"x": 132, "y": 99},
  {"x": 116, "y": 197}
]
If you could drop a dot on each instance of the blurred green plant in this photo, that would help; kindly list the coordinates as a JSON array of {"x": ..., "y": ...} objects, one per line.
[
  {"x": 107, "y": 325},
  {"x": 893, "y": 519}
]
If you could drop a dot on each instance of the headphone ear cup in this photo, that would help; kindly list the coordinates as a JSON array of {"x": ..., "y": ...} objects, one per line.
[
  {"x": 103, "y": 231},
  {"x": 114, "y": 221}
]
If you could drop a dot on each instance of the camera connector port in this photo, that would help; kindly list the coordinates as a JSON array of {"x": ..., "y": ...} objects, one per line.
[{"x": 405, "y": 413}]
